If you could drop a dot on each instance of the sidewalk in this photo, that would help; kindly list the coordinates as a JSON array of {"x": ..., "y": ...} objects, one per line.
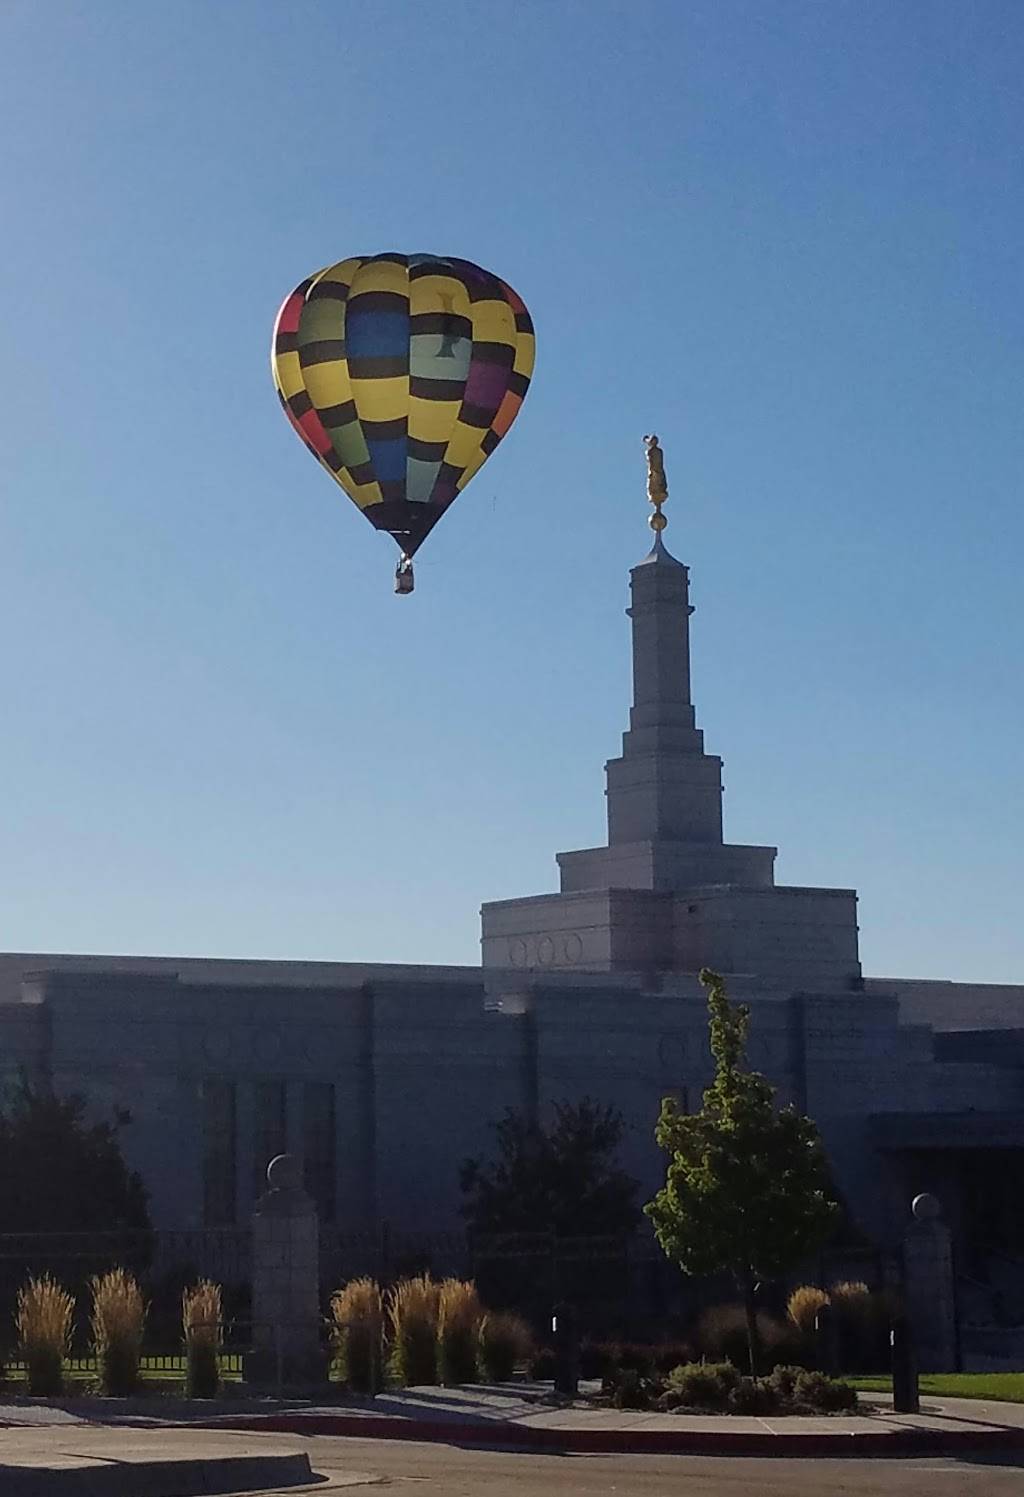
[
  {"x": 524, "y": 1415},
  {"x": 76, "y": 1459}
]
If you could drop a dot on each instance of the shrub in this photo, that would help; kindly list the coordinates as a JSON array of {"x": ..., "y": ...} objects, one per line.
[
  {"x": 201, "y": 1317},
  {"x": 702, "y": 1385},
  {"x": 504, "y": 1341},
  {"x": 118, "y": 1320},
  {"x": 813, "y": 1390},
  {"x": 631, "y": 1390},
  {"x": 357, "y": 1330},
  {"x": 459, "y": 1313},
  {"x": 803, "y": 1305},
  {"x": 752, "y": 1396},
  {"x": 43, "y": 1322},
  {"x": 542, "y": 1364},
  {"x": 412, "y": 1311},
  {"x": 783, "y": 1379},
  {"x": 721, "y": 1335}
]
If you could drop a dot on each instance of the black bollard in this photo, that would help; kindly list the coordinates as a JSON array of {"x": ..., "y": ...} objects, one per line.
[
  {"x": 565, "y": 1329},
  {"x": 906, "y": 1395},
  {"x": 826, "y": 1340}
]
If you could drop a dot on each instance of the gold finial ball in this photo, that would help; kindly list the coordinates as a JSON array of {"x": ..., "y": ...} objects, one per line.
[{"x": 657, "y": 521}]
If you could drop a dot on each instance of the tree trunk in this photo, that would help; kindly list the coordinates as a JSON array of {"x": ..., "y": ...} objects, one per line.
[{"x": 753, "y": 1336}]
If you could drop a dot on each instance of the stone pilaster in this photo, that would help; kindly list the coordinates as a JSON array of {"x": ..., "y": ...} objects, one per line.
[
  {"x": 285, "y": 1283},
  {"x": 930, "y": 1287}
]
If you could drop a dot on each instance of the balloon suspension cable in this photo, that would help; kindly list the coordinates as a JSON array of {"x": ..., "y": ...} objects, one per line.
[
  {"x": 657, "y": 484},
  {"x": 405, "y": 580}
]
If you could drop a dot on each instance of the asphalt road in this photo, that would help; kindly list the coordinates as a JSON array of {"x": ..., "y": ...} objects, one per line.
[{"x": 447, "y": 1471}]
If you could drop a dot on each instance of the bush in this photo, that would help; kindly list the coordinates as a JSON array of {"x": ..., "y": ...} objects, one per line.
[
  {"x": 783, "y": 1379},
  {"x": 710, "y": 1385},
  {"x": 702, "y": 1385},
  {"x": 505, "y": 1340},
  {"x": 752, "y": 1396},
  {"x": 542, "y": 1365},
  {"x": 631, "y": 1390},
  {"x": 827, "y": 1395},
  {"x": 721, "y": 1335},
  {"x": 118, "y": 1321},
  {"x": 43, "y": 1321},
  {"x": 802, "y": 1308},
  {"x": 412, "y": 1311},
  {"x": 357, "y": 1331},
  {"x": 201, "y": 1317},
  {"x": 459, "y": 1314}
]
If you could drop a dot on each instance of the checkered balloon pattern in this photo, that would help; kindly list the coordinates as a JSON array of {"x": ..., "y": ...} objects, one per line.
[{"x": 402, "y": 373}]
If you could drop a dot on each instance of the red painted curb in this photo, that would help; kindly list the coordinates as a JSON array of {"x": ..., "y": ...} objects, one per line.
[{"x": 907, "y": 1441}]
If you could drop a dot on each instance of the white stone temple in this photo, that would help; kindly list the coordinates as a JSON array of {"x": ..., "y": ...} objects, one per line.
[{"x": 382, "y": 1079}]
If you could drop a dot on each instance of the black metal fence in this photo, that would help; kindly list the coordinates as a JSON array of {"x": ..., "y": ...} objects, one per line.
[{"x": 621, "y": 1286}]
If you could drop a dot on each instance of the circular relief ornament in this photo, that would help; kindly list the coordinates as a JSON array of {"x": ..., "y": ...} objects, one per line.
[
  {"x": 573, "y": 947},
  {"x": 517, "y": 953}
]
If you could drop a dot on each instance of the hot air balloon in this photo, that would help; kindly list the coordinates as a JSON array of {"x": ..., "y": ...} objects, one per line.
[{"x": 402, "y": 373}]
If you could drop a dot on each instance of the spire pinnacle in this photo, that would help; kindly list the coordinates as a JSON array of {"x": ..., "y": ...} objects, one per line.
[{"x": 657, "y": 484}]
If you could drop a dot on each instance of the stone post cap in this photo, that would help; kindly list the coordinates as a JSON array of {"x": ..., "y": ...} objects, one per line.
[
  {"x": 926, "y": 1208},
  {"x": 283, "y": 1173},
  {"x": 286, "y": 1194}
]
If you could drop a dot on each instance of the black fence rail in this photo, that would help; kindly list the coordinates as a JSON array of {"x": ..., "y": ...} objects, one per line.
[
  {"x": 525, "y": 1271},
  {"x": 221, "y": 1254},
  {"x": 621, "y": 1285},
  {"x": 163, "y": 1262}
]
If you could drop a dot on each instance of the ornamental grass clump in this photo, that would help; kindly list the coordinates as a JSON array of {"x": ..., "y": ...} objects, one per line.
[
  {"x": 357, "y": 1330},
  {"x": 803, "y": 1305},
  {"x": 412, "y": 1315},
  {"x": 43, "y": 1320},
  {"x": 118, "y": 1322},
  {"x": 459, "y": 1313},
  {"x": 201, "y": 1322},
  {"x": 505, "y": 1341}
]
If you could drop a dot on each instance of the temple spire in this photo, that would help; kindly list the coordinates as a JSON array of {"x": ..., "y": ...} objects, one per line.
[{"x": 664, "y": 787}]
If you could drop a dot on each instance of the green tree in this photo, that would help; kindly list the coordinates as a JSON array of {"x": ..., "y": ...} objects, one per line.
[
  {"x": 562, "y": 1179},
  {"x": 747, "y": 1188},
  {"x": 60, "y": 1172}
]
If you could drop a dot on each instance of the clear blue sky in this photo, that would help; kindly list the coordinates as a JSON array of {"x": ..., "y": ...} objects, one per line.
[{"x": 787, "y": 236}]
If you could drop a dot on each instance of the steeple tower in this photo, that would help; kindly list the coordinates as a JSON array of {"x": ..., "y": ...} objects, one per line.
[
  {"x": 664, "y": 786},
  {"x": 664, "y": 792},
  {"x": 667, "y": 894}
]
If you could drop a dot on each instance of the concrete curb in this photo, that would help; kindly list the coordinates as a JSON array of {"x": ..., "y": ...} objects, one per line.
[
  {"x": 158, "y": 1478},
  {"x": 910, "y": 1440}
]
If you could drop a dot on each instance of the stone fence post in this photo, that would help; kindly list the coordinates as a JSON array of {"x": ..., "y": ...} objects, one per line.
[
  {"x": 285, "y": 1283},
  {"x": 930, "y": 1287}
]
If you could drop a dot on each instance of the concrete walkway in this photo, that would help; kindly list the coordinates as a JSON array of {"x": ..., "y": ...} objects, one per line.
[
  {"x": 75, "y": 1459},
  {"x": 529, "y": 1416}
]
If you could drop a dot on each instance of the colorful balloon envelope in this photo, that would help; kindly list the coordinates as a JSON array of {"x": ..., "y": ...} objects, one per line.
[{"x": 402, "y": 373}]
